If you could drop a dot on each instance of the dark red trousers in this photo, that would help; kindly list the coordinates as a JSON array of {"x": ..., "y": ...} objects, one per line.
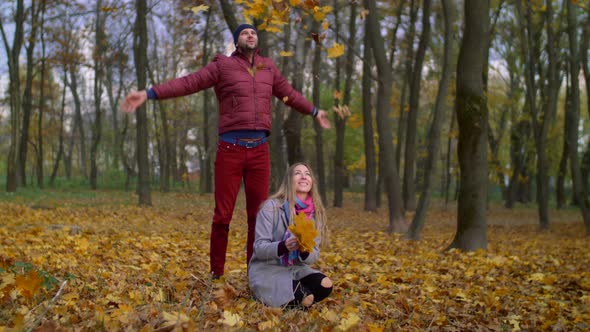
[{"x": 232, "y": 164}]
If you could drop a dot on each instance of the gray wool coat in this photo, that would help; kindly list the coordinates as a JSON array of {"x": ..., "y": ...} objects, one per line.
[{"x": 272, "y": 282}]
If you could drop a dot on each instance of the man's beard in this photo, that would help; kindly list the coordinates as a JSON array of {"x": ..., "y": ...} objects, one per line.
[{"x": 245, "y": 47}]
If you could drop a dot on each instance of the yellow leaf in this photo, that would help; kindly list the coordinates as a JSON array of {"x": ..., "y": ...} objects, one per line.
[
  {"x": 329, "y": 315},
  {"x": 199, "y": 8},
  {"x": 286, "y": 53},
  {"x": 230, "y": 319},
  {"x": 337, "y": 94},
  {"x": 336, "y": 50},
  {"x": 349, "y": 322},
  {"x": 304, "y": 230},
  {"x": 375, "y": 328},
  {"x": 536, "y": 277},
  {"x": 174, "y": 318},
  {"x": 294, "y": 3},
  {"x": 269, "y": 324},
  {"x": 325, "y": 25}
]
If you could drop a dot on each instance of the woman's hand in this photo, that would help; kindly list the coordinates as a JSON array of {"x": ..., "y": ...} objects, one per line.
[
  {"x": 133, "y": 101},
  {"x": 291, "y": 244}
]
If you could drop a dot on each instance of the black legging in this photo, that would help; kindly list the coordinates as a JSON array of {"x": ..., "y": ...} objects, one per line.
[{"x": 311, "y": 284}]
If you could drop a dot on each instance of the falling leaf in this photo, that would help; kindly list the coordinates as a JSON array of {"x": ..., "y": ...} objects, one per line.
[
  {"x": 285, "y": 99},
  {"x": 304, "y": 230},
  {"x": 286, "y": 53},
  {"x": 199, "y": 56},
  {"x": 336, "y": 50},
  {"x": 279, "y": 5},
  {"x": 199, "y": 8},
  {"x": 230, "y": 319},
  {"x": 364, "y": 13},
  {"x": 108, "y": 9},
  {"x": 325, "y": 25},
  {"x": 337, "y": 94},
  {"x": 342, "y": 111}
]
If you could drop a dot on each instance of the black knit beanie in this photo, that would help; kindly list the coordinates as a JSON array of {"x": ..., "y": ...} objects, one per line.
[{"x": 239, "y": 30}]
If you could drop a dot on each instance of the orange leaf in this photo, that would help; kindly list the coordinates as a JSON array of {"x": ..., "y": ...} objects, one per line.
[{"x": 29, "y": 285}]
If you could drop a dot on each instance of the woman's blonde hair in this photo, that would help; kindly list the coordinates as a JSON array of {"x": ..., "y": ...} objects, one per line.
[{"x": 286, "y": 192}]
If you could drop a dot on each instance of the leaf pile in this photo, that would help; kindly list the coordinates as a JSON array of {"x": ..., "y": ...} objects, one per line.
[
  {"x": 111, "y": 267},
  {"x": 304, "y": 230}
]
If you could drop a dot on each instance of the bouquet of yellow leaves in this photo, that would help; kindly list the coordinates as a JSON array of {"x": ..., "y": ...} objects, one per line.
[{"x": 304, "y": 230}]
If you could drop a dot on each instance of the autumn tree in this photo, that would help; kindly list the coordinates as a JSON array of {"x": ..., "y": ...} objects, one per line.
[
  {"x": 12, "y": 58},
  {"x": 384, "y": 126},
  {"x": 409, "y": 179},
  {"x": 436, "y": 125},
  {"x": 572, "y": 114},
  {"x": 140, "y": 55},
  {"x": 343, "y": 113},
  {"x": 368, "y": 131},
  {"x": 472, "y": 116}
]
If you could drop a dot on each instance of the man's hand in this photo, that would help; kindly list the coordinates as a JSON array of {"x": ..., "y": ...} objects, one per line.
[
  {"x": 133, "y": 100},
  {"x": 322, "y": 119}
]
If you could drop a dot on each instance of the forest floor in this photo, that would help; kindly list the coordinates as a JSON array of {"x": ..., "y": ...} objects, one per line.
[{"x": 92, "y": 261}]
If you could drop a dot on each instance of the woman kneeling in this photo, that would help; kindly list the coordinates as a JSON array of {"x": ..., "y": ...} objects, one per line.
[{"x": 279, "y": 271}]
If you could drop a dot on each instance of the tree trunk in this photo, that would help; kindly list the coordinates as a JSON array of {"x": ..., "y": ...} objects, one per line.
[
  {"x": 228, "y": 13},
  {"x": 27, "y": 100},
  {"x": 206, "y": 178},
  {"x": 338, "y": 122},
  {"x": 546, "y": 119},
  {"x": 60, "y": 149},
  {"x": 12, "y": 56},
  {"x": 99, "y": 51},
  {"x": 448, "y": 173},
  {"x": 140, "y": 56},
  {"x": 472, "y": 115},
  {"x": 409, "y": 181},
  {"x": 277, "y": 139},
  {"x": 402, "y": 121},
  {"x": 292, "y": 126},
  {"x": 584, "y": 44},
  {"x": 572, "y": 113},
  {"x": 40, "y": 157},
  {"x": 397, "y": 223},
  {"x": 436, "y": 126},
  {"x": 368, "y": 132},
  {"x": 78, "y": 121},
  {"x": 319, "y": 143}
]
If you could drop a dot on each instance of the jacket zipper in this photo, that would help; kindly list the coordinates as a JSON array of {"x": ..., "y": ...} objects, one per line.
[{"x": 254, "y": 91}]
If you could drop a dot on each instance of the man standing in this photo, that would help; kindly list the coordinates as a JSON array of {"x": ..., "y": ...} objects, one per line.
[{"x": 244, "y": 84}]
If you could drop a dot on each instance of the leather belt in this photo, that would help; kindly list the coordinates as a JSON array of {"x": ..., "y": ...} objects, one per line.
[{"x": 248, "y": 143}]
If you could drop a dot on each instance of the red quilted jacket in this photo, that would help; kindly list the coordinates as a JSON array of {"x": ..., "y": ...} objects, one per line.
[{"x": 243, "y": 90}]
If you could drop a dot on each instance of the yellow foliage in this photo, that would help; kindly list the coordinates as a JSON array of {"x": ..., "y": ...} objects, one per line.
[
  {"x": 286, "y": 53},
  {"x": 305, "y": 232},
  {"x": 146, "y": 268}
]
